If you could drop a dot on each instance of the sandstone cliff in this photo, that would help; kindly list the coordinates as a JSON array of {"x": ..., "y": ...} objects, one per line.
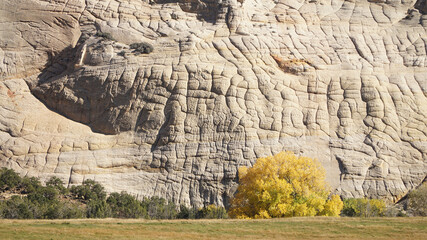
[{"x": 228, "y": 81}]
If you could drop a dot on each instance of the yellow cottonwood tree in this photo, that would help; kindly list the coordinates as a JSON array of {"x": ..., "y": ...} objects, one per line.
[{"x": 283, "y": 185}]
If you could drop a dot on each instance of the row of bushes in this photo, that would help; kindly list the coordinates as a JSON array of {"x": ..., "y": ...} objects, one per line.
[
  {"x": 362, "y": 207},
  {"x": 414, "y": 204},
  {"x": 30, "y": 199}
]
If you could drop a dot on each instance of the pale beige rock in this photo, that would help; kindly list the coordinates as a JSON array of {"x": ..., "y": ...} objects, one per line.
[{"x": 227, "y": 82}]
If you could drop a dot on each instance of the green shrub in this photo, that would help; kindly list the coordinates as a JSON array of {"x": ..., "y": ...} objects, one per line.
[
  {"x": 58, "y": 184},
  {"x": 394, "y": 211},
  {"x": 51, "y": 211},
  {"x": 97, "y": 208},
  {"x": 51, "y": 202},
  {"x": 124, "y": 205},
  {"x": 22, "y": 208},
  {"x": 9, "y": 179},
  {"x": 88, "y": 190},
  {"x": 362, "y": 207},
  {"x": 159, "y": 208},
  {"x": 187, "y": 213},
  {"x": 30, "y": 184},
  {"x": 18, "y": 207},
  {"x": 71, "y": 210},
  {"x": 122, "y": 53},
  {"x": 43, "y": 195},
  {"x": 106, "y": 36},
  {"x": 142, "y": 47},
  {"x": 212, "y": 211},
  {"x": 61, "y": 210},
  {"x": 417, "y": 201}
]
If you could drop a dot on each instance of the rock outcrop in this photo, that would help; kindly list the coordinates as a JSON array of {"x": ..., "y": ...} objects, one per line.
[{"x": 227, "y": 82}]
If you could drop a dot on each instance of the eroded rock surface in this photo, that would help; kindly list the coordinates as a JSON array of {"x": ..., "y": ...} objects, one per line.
[{"x": 228, "y": 81}]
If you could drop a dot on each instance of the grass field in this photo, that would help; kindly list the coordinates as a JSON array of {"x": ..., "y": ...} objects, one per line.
[{"x": 288, "y": 228}]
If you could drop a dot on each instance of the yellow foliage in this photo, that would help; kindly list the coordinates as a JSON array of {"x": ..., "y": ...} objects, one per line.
[
  {"x": 333, "y": 207},
  {"x": 283, "y": 185}
]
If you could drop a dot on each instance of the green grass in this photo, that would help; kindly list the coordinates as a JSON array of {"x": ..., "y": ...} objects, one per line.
[{"x": 288, "y": 228}]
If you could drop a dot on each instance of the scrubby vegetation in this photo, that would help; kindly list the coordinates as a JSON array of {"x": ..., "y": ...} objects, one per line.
[
  {"x": 209, "y": 212},
  {"x": 362, "y": 207},
  {"x": 417, "y": 201},
  {"x": 280, "y": 186},
  {"x": 106, "y": 36},
  {"x": 141, "y": 47},
  {"x": 27, "y": 198},
  {"x": 124, "y": 205},
  {"x": 8, "y": 179},
  {"x": 283, "y": 185},
  {"x": 414, "y": 204}
]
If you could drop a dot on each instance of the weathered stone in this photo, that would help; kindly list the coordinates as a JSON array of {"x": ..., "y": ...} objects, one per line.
[{"x": 227, "y": 82}]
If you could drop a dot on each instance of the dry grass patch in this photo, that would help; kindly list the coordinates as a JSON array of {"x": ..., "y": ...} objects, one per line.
[{"x": 288, "y": 228}]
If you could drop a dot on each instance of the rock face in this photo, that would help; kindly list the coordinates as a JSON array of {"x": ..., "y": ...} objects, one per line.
[{"x": 228, "y": 81}]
